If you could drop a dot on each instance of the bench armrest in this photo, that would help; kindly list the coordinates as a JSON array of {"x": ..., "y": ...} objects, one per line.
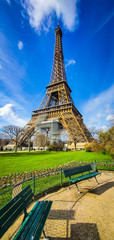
[{"x": 94, "y": 166}]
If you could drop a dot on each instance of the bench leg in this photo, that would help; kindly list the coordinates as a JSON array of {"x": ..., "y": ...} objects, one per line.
[
  {"x": 78, "y": 188},
  {"x": 69, "y": 185},
  {"x": 46, "y": 237},
  {"x": 96, "y": 180},
  {"x": 25, "y": 214}
]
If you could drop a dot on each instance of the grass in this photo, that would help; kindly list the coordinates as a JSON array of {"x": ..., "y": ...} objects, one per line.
[
  {"x": 11, "y": 163},
  {"x": 19, "y": 162}
]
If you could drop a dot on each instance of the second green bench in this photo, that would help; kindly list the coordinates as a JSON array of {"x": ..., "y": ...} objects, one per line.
[{"x": 84, "y": 172}]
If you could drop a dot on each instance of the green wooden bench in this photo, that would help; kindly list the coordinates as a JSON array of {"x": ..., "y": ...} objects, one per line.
[
  {"x": 33, "y": 222},
  {"x": 84, "y": 172}
]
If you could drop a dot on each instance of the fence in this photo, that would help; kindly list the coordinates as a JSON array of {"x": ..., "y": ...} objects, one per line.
[
  {"x": 39, "y": 184},
  {"x": 40, "y": 181}
]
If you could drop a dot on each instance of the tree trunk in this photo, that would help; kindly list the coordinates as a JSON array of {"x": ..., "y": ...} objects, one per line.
[
  {"x": 16, "y": 146},
  {"x": 29, "y": 144},
  {"x": 75, "y": 144}
]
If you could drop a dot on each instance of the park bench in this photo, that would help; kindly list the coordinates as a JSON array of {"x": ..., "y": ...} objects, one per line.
[
  {"x": 82, "y": 172},
  {"x": 33, "y": 222}
]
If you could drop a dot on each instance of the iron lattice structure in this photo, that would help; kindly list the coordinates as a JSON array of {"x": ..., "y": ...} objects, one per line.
[{"x": 57, "y": 102}]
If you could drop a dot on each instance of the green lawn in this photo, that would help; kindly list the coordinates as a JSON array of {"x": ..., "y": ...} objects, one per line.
[{"x": 11, "y": 163}]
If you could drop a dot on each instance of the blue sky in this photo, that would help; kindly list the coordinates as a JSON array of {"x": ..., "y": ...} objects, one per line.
[{"x": 26, "y": 56}]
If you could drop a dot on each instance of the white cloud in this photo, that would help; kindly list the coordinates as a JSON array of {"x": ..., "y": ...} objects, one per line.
[
  {"x": 103, "y": 128},
  {"x": 99, "y": 115},
  {"x": 10, "y": 116},
  {"x": 98, "y": 111},
  {"x": 41, "y": 12},
  {"x": 20, "y": 45},
  {"x": 110, "y": 118},
  {"x": 103, "y": 100},
  {"x": 70, "y": 62}
]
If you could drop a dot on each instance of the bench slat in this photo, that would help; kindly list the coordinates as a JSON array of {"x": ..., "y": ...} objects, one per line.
[
  {"x": 10, "y": 212},
  {"x": 28, "y": 192},
  {"x": 91, "y": 168},
  {"x": 36, "y": 221},
  {"x": 41, "y": 226},
  {"x": 81, "y": 178},
  {"x": 12, "y": 218},
  {"x": 13, "y": 208},
  {"x": 25, "y": 226},
  {"x": 80, "y": 169},
  {"x": 10, "y": 203},
  {"x": 27, "y": 200}
]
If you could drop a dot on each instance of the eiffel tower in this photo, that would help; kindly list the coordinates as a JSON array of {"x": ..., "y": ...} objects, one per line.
[{"x": 57, "y": 104}]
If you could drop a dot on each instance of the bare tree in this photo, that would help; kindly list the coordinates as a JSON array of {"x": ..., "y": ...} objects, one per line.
[
  {"x": 13, "y": 132},
  {"x": 41, "y": 140},
  {"x": 3, "y": 140}
]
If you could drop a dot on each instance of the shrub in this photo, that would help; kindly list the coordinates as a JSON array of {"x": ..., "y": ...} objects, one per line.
[
  {"x": 112, "y": 150},
  {"x": 103, "y": 151},
  {"x": 51, "y": 147},
  {"x": 93, "y": 147},
  {"x": 56, "y": 146},
  {"x": 68, "y": 149},
  {"x": 1, "y": 148},
  {"x": 88, "y": 149},
  {"x": 112, "y": 155}
]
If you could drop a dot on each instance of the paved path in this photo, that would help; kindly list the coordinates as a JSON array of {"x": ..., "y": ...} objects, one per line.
[{"x": 89, "y": 216}]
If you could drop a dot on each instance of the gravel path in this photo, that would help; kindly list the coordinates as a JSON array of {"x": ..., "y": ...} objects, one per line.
[{"x": 89, "y": 216}]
